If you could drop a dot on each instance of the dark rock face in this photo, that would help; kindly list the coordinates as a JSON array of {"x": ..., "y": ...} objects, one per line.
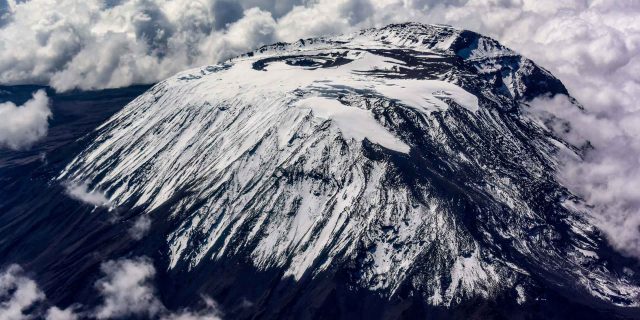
[{"x": 391, "y": 173}]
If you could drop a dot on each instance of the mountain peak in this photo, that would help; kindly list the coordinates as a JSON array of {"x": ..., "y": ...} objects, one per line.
[{"x": 397, "y": 156}]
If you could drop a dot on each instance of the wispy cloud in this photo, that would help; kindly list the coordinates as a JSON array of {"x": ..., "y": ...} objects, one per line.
[
  {"x": 22, "y": 126},
  {"x": 140, "y": 227},
  {"x": 81, "y": 192},
  {"x": 209, "y": 312}
]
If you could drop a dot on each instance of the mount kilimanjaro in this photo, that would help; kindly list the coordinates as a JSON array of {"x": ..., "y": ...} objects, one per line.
[{"x": 389, "y": 173}]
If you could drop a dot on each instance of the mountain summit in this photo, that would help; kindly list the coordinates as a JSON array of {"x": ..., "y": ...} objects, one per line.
[{"x": 388, "y": 173}]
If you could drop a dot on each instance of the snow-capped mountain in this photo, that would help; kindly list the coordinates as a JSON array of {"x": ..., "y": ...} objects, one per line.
[{"x": 397, "y": 161}]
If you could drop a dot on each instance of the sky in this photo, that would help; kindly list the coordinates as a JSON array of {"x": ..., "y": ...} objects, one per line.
[{"x": 591, "y": 45}]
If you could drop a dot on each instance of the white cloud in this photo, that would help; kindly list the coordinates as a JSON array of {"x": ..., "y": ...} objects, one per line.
[
  {"x": 17, "y": 294},
  {"x": 80, "y": 191},
  {"x": 209, "y": 312},
  {"x": 140, "y": 41},
  {"x": 609, "y": 176},
  {"x": 140, "y": 227},
  {"x": 55, "y": 313},
  {"x": 127, "y": 290},
  {"x": 21, "y": 126},
  {"x": 20, "y": 296}
]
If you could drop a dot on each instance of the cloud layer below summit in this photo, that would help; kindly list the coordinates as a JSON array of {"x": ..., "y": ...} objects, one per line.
[
  {"x": 593, "y": 46},
  {"x": 99, "y": 44}
]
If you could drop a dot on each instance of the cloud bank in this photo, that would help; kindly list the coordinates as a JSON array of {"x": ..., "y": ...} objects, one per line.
[
  {"x": 126, "y": 289},
  {"x": 21, "y": 126},
  {"x": 593, "y": 46}
]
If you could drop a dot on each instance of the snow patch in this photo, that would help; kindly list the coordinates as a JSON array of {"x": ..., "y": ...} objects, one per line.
[{"x": 353, "y": 122}]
